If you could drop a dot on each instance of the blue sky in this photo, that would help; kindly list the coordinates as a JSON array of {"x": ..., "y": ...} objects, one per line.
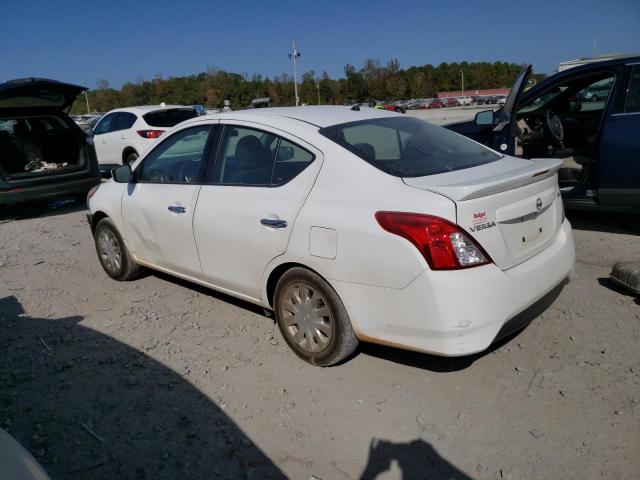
[{"x": 82, "y": 41}]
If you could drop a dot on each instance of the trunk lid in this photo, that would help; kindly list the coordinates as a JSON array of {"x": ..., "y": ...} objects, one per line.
[
  {"x": 38, "y": 93},
  {"x": 511, "y": 207}
]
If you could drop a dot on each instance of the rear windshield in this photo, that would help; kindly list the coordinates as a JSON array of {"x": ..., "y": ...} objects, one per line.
[
  {"x": 169, "y": 118},
  {"x": 409, "y": 147}
]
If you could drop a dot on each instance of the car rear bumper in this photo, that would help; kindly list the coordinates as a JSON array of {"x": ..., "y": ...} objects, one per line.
[
  {"x": 48, "y": 191},
  {"x": 455, "y": 313}
]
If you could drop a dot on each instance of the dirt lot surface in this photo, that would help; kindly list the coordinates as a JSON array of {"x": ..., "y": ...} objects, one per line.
[{"x": 158, "y": 378}]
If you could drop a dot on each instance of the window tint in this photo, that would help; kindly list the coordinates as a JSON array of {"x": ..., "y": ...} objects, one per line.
[
  {"x": 632, "y": 103},
  {"x": 124, "y": 120},
  {"x": 178, "y": 159},
  {"x": 169, "y": 117},
  {"x": 253, "y": 157},
  {"x": 106, "y": 125},
  {"x": 290, "y": 161},
  {"x": 409, "y": 147}
]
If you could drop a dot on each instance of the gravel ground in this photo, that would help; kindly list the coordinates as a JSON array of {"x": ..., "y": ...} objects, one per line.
[{"x": 158, "y": 378}]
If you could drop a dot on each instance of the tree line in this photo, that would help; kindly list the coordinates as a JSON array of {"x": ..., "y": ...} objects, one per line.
[{"x": 373, "y": 81}]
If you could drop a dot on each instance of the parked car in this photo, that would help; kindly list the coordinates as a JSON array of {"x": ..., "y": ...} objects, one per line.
[
  {"x": 434, "y": 103},
  {"x": 450, "y": 102},
  {"x": 464, "y": 100},
  {"x": 43, "y": 153},
  {"x": 87, "y": 122},
  {"x": 123, "y": 134},
  {"x": 598, "y": 141},
  {"x": 349, "y": 224},
  {"x": 501, "y": 100},
  {"x": 598, "y": 91}
]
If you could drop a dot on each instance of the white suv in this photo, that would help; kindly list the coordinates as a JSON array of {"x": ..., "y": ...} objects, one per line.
[{"x": 125, "y": 133}]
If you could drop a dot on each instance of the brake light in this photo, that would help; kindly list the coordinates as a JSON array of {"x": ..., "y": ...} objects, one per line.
[
  {"x": 443, "y": 244},
  {"x": 150, "y": 133}
]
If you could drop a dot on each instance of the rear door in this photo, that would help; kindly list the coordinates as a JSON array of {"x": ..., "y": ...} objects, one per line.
[
  {"x": 158, "y": 207},
  {"x": 500, "y": 132},
  {"x": 618, "y": 165},
  {"x": 246, "y": 213}
]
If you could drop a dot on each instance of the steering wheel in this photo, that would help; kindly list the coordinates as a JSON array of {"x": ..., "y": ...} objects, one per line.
[
  {"x": 554, "y": 124},
  {"x": 156, "y": 175}
]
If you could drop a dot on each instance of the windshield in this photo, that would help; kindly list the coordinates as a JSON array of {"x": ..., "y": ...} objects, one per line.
[{"x": 409, "y": 147}]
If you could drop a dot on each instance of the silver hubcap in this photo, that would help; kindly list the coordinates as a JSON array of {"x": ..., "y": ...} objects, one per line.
[
  {"x": 109, "y": 250},
  {"x": 306, "y": 317}
]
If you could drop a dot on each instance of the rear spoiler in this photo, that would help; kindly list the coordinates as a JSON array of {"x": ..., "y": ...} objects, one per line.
[{"x": 505, "y": 177}]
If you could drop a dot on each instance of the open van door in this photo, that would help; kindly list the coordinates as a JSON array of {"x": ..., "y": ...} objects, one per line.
[{"x": 496, "y": 129}]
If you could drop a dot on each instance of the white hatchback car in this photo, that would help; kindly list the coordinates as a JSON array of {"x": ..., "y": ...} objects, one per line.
[
  {"x": 349, "y": 224},
  {"x": 123, "y": 134}
]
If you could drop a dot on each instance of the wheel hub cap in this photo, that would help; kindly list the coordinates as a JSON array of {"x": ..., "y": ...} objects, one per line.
[
  {"x": 110, "y": 250},
  {"x": 307, "y": 317}
]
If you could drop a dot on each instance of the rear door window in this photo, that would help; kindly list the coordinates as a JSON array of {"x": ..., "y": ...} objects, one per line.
[
  {"x": 125, "y": 120},
  {"x": 106, "y": 125},
  {"x": 169, "y": 117},
  {"x": 632, "y": 102}
]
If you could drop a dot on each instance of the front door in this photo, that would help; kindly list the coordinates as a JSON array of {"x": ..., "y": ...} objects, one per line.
[
  {"x": 618, "y": 167},
  {"x": 158, "y": 207},
  {"x": 246, "y": 213}
]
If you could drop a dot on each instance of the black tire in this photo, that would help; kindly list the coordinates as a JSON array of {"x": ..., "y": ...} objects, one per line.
[
  {"x": 343, "y": 340},
  {"x": 126, "y": 269},
  {"x": 130, "y": 158}
]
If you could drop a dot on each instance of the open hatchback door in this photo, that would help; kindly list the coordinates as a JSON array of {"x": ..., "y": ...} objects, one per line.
[
  {"x": 38, "y": 93},
  {"x": 496, "y": 129}
]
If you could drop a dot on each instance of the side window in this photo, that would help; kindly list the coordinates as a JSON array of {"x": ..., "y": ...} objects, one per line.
[
  {"x": 595, "y": 94},
  {"x": 105, "y": 125},
  {"x": 246, "y": 157},
  {"x": 178, "y": 159},
  {"x": 125, "y": 120},
  {"x": 290, "y": 161},
  {"x": 253, "y": 157},
  {"x": 632, "y": 102}
]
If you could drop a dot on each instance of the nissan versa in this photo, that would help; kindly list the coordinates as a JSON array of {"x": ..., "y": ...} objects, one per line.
[{"x": 351, "y": 225}]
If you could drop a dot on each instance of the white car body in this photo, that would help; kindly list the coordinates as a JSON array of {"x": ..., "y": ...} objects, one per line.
[
  {"x": 114, "y": 145},
  {"x": 464, "y": 101},
  {"x": 391, "y": 294}
]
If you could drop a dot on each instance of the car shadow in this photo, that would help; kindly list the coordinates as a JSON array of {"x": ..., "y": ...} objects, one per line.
[
  {"x": 415, "y": 459},
  {"x": 90, "y": 407},
  {"x": 606, "y": 282},
  {"x": 610, "y": 222},
  {"x": 25, "y": 211}
]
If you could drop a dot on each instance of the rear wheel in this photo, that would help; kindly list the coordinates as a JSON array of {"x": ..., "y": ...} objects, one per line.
[
  {"x": 112, "y": 252},
  {"x": 312, "y": 318}
]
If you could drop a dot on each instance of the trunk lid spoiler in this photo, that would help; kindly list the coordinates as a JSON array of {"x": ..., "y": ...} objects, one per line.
[{"x": 508, "y": 173}]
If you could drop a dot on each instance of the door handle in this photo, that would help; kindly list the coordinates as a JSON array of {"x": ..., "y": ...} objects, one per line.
[
  {"x": 176, "y": 209},
  {"x": 269, "y": 222}
]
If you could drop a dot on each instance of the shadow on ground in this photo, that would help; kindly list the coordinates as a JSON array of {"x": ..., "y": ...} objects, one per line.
[
  {"x": 41, "y": 209},
  {"x": 415, "y": 459},
  {"x": 610, "y": 222},
  {"x": 89, "y": 407}
]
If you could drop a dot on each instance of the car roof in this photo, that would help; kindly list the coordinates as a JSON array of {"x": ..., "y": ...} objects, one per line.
[
  {"x": 319, "y": 116},
  {"x": 148, "y": 108}
]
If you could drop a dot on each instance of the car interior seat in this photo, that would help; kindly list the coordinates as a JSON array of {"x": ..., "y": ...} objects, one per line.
[{"x": 252, "y": 164}]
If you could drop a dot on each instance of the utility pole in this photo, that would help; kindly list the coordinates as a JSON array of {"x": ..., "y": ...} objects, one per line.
[
  {"x": 318, "y": 87},
  {"x": 293, "y": 56},
  {"x": 462, "y": 75},
  {"x": 86, "y": 97}
]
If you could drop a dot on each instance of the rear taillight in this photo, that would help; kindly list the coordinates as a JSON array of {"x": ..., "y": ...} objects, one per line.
[
  {"x": 150, "y": 133},
  {"x": 443, "y": 244}
]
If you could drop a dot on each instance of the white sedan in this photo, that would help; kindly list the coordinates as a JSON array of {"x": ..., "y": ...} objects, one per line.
[{"x": 349, "y": 224}]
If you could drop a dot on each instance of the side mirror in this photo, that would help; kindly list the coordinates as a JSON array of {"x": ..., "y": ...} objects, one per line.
[
  {"x": 284, "y": 154},
  {"x": 484, "y": 118},
  {"x": 122, "y": 174}
]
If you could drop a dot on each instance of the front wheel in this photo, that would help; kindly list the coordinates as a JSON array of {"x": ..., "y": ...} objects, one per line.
[
  {"x": 313, "y": 319},
  {"x": 112, "y": 252}
]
